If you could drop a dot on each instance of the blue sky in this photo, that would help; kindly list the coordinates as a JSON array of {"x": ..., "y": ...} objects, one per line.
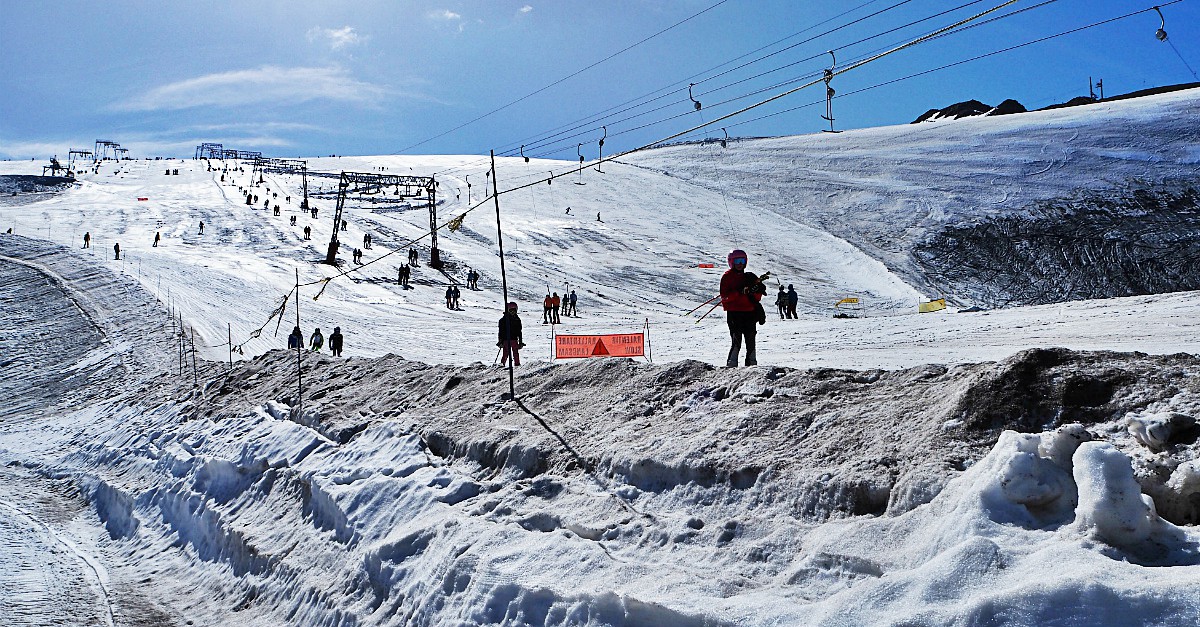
[{"x": 307, "y": 78}]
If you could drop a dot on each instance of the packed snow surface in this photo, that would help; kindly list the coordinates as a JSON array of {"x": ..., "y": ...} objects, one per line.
[{"x": 891, "y": 468}]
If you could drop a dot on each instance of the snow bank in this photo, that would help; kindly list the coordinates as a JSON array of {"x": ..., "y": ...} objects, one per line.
[{"x": 980, "y": 553}]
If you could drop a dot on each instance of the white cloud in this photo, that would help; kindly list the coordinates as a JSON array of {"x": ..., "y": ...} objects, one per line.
[
  {"x": 40, "y": 149},
  {"x": 526, "y": 9},
  {"x": 337, "y": 38},
  {"x": 268, "y": 84},
  {"x": 445, "y": 14},
  {"x": 143, "y": 145}
]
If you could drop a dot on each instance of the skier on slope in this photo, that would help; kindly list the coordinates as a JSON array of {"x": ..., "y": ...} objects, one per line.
[
  {"x": 335, "y": 342},
  {"x": 316, "y": 341},
  {"x": 510, "y": 336},
  {"x": 741, "y": 292},
  {"x": 296, "y": 339}
]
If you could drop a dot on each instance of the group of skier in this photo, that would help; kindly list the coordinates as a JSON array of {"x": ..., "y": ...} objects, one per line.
[
  {"x": 452, "y": 295},
  {"x": 316, "y": 341},
  {"x": 786, "y": 302},
  {"x": 554, "y": 304}
]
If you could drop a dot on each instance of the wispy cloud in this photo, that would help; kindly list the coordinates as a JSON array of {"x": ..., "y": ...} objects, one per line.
[
  {"x": 245, "y": 127},
  {"x": 265, "y": 84},
  {"x": 336, "y": 38},
  {"x": 526, "y": 9},
  {"x": 39, "y": 149},
  {"x": 445, "y": 14},
  {"x": 165, "y": 144}
]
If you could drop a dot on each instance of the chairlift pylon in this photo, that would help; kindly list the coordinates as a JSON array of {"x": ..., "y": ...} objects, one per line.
[
  {"x": 1161, "y": 33},
  {"x": 829, "y": 93},
  {"x": 695, "y": 103}
]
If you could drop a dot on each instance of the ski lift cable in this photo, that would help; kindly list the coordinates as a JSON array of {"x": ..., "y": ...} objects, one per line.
[
  {"x": 542, "y": 142},
  {"x": 592, "y": 118},
  {"x": 567, "y": 77},
  {"x": 599, "y": 116},
  {"x": 782, "y": 83},
  {"x": 806, "y": 76},
  {"x": 954, "y": 64},
  {"x": 849, "y": 68}
]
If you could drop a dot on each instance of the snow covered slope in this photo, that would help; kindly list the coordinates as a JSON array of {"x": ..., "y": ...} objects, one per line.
[
  {"x": 893, "y": 468},
  {"x": 831, "y": 222},
  {"x": 1085, "y": 202}
]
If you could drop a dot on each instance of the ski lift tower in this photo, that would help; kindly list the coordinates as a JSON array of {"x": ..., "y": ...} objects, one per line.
[
  {"x": 81, "y": 154},
  {"x": 105, "y": 149},
  {"x": 265, "y": 165},
  {"x": 369, "y": 183},
  {"x": 209, "y": 150}
]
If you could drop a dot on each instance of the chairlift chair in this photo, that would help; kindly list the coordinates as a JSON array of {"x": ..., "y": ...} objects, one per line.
[
  {"x": 601, "y": 157},
  {"x": 580, "y": 153},
  {"x": 829, "y": 93}
]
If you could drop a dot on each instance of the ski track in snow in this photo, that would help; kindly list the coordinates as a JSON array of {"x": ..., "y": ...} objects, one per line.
[{"x": 617, "y": 493}]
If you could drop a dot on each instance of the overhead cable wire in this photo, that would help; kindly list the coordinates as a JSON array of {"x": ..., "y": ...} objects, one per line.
[
  {"x": 571, "y": 138},
  {"x": 956, "y": 63},
  {"x": 593, "y": 118},
  {"x": 507, "y": 149},
  {"x": 936, "y": 35},
  {"x": 565, "y": 78}
]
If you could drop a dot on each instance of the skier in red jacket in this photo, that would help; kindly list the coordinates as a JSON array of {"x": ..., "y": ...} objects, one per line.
[{"x": 741, "y": 292}]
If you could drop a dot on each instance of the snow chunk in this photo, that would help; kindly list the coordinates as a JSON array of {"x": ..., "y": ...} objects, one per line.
[
  {"x": 1026, "y": 479},
  {"x": 1156, "y": 431},
  {"x": 1113, "y": 509}
]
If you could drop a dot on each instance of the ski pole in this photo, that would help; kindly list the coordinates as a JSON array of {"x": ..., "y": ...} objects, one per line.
[
  {"x": 714, "y": 307},
  {"x": 497, "y": 359},
  {"x": 702, "y": 304}
]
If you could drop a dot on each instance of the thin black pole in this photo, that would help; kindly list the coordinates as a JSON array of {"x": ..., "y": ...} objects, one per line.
[
  {"x": 512, "y": 386},
  {"x": 299, "y": 352},
  {"x": 181, "y": 345},
  {"x": 229, "y": 330},
  {"x": 195, "y": 375}
]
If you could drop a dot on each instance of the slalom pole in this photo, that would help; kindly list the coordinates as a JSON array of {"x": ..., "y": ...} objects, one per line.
[{"x": 702, "y": 304}]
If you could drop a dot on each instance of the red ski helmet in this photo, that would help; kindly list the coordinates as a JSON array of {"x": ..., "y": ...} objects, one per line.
[
  {"x": 512, "y": 306},
  {"x": 736, "y": 254}
]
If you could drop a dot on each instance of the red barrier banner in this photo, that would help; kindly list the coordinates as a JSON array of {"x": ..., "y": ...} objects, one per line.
[
  {"x": 612, "y": 345},
  {"x": 706, "y": 265},
  {"x": 142, "y": 198}
]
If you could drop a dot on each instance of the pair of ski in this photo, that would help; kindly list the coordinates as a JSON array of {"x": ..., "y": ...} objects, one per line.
[{"x": 757, "y": 280}]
